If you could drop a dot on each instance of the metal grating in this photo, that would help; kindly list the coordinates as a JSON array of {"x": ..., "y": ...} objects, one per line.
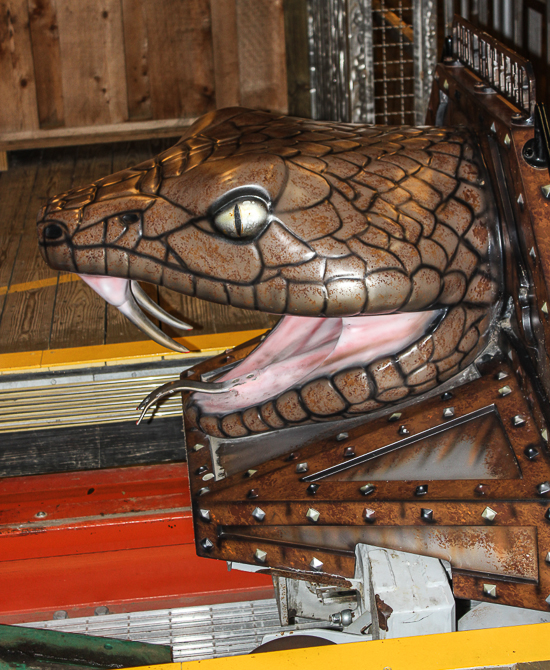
[
  {"x": 499, "y": 67},
  {"x": 194, "y": 633}
]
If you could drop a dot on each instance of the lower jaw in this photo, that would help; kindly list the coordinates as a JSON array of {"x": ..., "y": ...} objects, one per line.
[{"x": 361, "y": 387}]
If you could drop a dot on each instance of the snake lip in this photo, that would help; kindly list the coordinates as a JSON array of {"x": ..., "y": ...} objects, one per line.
[{"x": 302, "y": 349}]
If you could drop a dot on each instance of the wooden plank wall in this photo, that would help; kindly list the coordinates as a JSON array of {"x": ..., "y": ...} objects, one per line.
[{"x": 67, "y": 64}]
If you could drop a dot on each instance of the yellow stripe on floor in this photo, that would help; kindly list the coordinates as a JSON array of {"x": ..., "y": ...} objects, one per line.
[
  {"x": 128, "y": 352},
  {"x": 39, "y": 283}
]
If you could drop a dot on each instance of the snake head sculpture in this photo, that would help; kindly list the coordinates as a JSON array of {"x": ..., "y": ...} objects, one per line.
[{"x": 377, "y": 244}]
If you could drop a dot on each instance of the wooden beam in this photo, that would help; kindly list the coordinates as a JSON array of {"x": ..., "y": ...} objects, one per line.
[
  {"x": 116, "y": 132},
  {"x": 3, "y": 161}
]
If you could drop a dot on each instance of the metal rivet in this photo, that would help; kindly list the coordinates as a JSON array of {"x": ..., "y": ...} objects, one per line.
[
  {"x": 543, "y": 488},
  {"x": 426, "y": 514},
  {"x": 302, "y": 467},
  {"x": 489, "y": 514},
  {"x": 312, "y": 489},
  {"x": 518, "y": 420},
  {"x": 531, "y": 452},
  {"x": 520, "y": 200},
  {"x": 258, "y": 514},
  {"x": 60, "y": 614},
  {"x": 204, "y": 514},
  {"x": 253, "y": 493},
  {"x": 369, "y": 515},
  {"x": 395, "y": 416},
  {"x": 349, "y": 452},
  {"x": 493, "y": 127},
  {"x": 206, "y": 544},
  {"x": 490, "y": 590},
  {"x": 198, "y": 447},
  {"x": 502, "y": 375},
  {"x": 448, "y": 412},
  {"x": 544, "y": 308},
  {"x": 101, "y": 610},
  {"x": 313, "y": 515},
  {"x": 291, "y": 457},
  {"x": 505, "y": 390},
  {"x": 421, "y": 490},
  {"x": 533, "y": 253},
  {"x": 342, "y": 436},
  {"x": 202, "y": 469},
  {"x": 403, "y": 430},
  {"x": 208, "y": 477},
  {"x": 547, "y": 559},
  {"x": 41, "y": 515},
  {"x": 544, "y": 434},
  {"x": 367, "y": 489},
  {"x": 260, "y": 556},
  {"x": 480, "y": 490},
  {"x": 507, "y": 140},
  {"x": 203, "y": 491},
  {"x": 546, "y": 191},
  {"x": 249, "y": 473},
  {"x": 315, "y": 564},
  {"x": 447, "y": 395}
]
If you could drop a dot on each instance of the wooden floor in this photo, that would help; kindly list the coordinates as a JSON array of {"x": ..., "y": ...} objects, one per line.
[{"x": 39, "y": 309}]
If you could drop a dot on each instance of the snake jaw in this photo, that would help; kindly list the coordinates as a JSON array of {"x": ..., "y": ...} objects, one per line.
[{"x": 127, "y": 296}]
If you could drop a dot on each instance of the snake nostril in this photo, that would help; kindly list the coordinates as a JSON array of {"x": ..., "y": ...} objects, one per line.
[{"x": 53, "y": 231}]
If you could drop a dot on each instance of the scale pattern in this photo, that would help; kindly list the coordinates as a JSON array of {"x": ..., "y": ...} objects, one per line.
[{"x": 362, "y": 220}]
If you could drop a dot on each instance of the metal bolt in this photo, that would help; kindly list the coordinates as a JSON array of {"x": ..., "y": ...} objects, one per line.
[
  {"x": 253, "y": 493},
  {"x": 447, "y": 395},
  {"x": 313, "y": 515},
  {"x": 507, "y": 140},
  {"x": 101, "y": 610},
  {"x": 291, "y": 457},
  {"x": 480, "y": 490},
  {"x": 343, "y": 618},
  {"x": 315, "y": 564},
  {"x": 208, "y": 477},
  {"x": 543, "y": 488},
  {"x": 367, "y": 489},
  {"x": 302, "y": 467},
  {"x": 490, "y": 590},
  {"x": 349, "y": 452},
  {"x": 395, "y": 416},
  {"x": 531, "y": 452},
  {"x": 421, "y": 490},
  {"x": 249, "y": 473},
  {"x": 426, "y": 514},
  {"x": 520, "y": 200},
  {"x": 518, "y": 420},
  {"x": 505, "y": 390},
  {"x": 489, "y": 514},
  {"x": 312, "y": 489},
  {"x": 403, "y": 430},
  {"x": 205, "y": 514},
  {"x": 546, "y": 191},
  {"x": 448, "y": 412},
  {"x": 369, "y": 515},
  {"x": 60, "y": 614},
  {"x": 206, "y": 544},
  {"x": 342, "y": 436},
  {"x": 258, "y": 514},
  {"x": 202, "y": 469},
  {"x": 502, "y": 375},
  {"x": 41, "y": 515},
  {"x": 203, "y": 491},
  {"x": 260, "y": 555}
]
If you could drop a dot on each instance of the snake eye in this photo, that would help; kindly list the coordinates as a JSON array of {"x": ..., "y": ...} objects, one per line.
[
  {"x": 128, "y": 219},
  {"x": 242, "y": 218},
  {"x": 53, "y": 231}
]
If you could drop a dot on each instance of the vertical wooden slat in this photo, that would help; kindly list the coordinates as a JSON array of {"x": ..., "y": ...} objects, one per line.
[
  {"x": 226, "y": 53},
  {"x": 47, "y": 62},
  {"x": 262, "y": 59},
  {"x": 297, "y": 58},
  {"x": 17, "y": 83},
  {"x": 92, "y": 62},
  {"x": 136, "y": 49},
  {"x": 181, "y": 71}
]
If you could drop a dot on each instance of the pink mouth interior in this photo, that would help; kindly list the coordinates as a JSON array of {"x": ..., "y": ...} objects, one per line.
[{"x": 303, "y": 348}]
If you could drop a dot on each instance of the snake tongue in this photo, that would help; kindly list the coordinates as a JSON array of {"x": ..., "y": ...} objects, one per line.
[{"x": 125, "y": 295}]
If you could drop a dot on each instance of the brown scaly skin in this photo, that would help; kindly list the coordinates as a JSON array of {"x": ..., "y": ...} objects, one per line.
[{"x": 362, "y": 220}]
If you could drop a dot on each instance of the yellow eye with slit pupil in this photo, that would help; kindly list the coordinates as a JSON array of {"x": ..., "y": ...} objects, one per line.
[{"x": 242, "y": 218}]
